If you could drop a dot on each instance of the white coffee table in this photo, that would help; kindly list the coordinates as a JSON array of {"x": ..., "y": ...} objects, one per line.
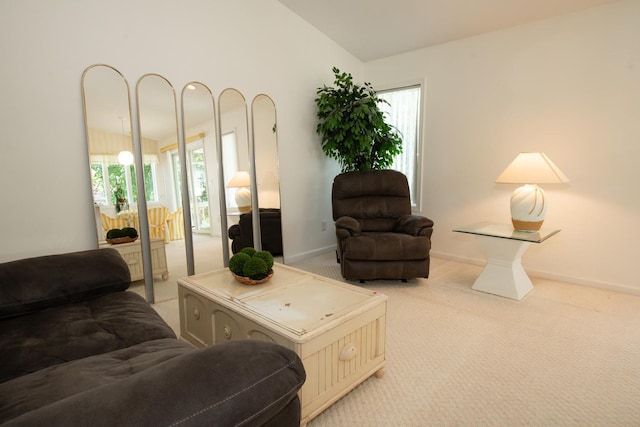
[
  {"x": 337, "y": 329},
  {"x": 132, "y": 254},
  {"x": 503, "y": 274}
]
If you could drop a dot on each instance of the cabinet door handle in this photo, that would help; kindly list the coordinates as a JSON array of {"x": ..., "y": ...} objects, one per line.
[
  {"x": 348, "y": 352},
  {"x": 196, "y": 313}
]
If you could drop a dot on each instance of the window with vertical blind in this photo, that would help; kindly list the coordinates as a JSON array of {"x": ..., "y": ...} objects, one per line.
[{"x": 403, "y": 113}]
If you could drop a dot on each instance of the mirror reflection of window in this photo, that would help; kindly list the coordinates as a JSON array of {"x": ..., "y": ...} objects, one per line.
[
  {"x": 112, "y": 180},
  {"x": 202, "y": 164},
  {"x": 177, "y": 177},
  {"x": 196, "y": 172},
  {"x": 230, "y": 161},
  {"x": 109, "y": 180}
]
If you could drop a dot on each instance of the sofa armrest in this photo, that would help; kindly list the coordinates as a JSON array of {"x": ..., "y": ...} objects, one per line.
[
  {"x": 244, "y": 382},
  {"x": 414, "y": 225},
  {"x": 33, "y": 284}
]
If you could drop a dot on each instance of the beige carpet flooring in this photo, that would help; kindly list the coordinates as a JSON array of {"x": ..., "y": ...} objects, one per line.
[{"x": 565, "y": 355}]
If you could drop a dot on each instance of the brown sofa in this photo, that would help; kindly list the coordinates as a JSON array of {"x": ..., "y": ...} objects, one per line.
[
  {"x": 78, "y": 349},
  {"x": 378, "y": 237}
]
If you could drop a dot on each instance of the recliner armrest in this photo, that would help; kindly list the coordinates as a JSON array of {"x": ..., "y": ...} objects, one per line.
[
  {"x": 414, "y": 225},
  {"x": 348, "y": 225},
  {"x": 234, "y": 231}
]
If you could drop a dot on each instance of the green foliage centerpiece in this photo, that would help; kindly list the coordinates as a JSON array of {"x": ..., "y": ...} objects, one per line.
[
  {"x": 251, "y": 267},
  {"x": 124, "y": 235},
  {"x": 352, "y": 126}
]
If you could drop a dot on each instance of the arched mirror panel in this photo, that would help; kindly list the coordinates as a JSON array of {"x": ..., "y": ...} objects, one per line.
[
  {"x": 160, "y": 171},
  {"x": 236, "y": 166},
  {"x": 203, "y": 175},
  {"x": 265, "y": 141},
  {"x": 107, "y": 113}
]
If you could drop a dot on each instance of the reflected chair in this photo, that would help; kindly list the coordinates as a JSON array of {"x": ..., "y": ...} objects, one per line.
[
  {"x": 241, "y": 234},
  {"x": 158, "y": 223},
  {"x": 109, "y": 223},
  {"x": 378, "y": 237},
  {"x": 176, "y": 224}
]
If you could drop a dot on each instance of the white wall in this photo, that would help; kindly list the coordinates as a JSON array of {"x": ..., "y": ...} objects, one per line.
[
  {"x": 256, "y": 46},
  {"x": 569, "y": 87}
]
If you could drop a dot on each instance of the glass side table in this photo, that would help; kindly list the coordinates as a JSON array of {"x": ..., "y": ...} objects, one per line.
[{"x": 503, "y": 274}]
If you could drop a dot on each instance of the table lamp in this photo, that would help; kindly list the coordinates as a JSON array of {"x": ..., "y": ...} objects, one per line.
[
  {"x": 242, "y": 182},
  {"x": 528, "y": 204}
]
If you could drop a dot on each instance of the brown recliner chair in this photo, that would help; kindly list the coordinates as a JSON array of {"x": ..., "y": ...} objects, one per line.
[{"x": 378, "y": 237}]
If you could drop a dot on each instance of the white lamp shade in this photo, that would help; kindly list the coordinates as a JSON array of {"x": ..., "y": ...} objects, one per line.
[
  {"x": 239, "y": 179},
  {"x": 532, "y": 168}
]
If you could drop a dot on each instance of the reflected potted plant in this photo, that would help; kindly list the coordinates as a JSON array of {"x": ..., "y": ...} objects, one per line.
[
  {"x": 120, "y": 197},
  {"x": 352, "y": 126}
]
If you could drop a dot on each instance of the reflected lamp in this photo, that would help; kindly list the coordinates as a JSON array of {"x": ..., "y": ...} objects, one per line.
[
  {"x": 528, "y": 203},
  {"x": 242, "y": 182},
  {"x": 125, "y": 158}
]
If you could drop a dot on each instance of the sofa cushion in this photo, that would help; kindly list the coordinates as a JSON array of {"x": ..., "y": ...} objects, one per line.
[
  {"x": 365, "y": 270},
  {"x": 386, "y": 247},
  {"x": 57, "y": 382},
  {"x": 73, "y": 331},
  {"x": 166, "y": 382},
  {"x": 32, "y": 284}
]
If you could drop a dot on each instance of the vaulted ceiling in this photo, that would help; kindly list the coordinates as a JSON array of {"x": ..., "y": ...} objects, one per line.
[{"x": 374, "y": 29}]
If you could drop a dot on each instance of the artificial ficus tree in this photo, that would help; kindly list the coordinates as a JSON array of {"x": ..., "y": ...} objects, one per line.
[{"x": 352, "y": 126}]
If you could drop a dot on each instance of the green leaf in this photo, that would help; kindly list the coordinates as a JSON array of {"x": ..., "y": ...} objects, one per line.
[{"x": 352, "y": 128}]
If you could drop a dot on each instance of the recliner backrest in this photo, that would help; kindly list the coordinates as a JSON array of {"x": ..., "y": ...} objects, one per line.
[
  {"x": 270, "y": 230},
  {"x": 374, "y": 198}
]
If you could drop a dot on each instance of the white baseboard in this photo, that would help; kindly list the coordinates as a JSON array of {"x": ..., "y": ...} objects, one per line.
[
  {"x": 547, "y": 275},
  {"x": 306, "y": 255}
]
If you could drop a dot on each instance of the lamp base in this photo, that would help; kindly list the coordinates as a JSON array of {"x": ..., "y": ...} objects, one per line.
[
  {"x": 243, "y": 199},
  {"x": 526, "y": 226},
  {"x": 528, "y": 208}
]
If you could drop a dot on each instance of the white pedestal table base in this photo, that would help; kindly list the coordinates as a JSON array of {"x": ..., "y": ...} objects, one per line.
[{"x": 503, "y": 274}]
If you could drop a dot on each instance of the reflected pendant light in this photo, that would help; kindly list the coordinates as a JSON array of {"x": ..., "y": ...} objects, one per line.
[{"x": 125, "y": 157}]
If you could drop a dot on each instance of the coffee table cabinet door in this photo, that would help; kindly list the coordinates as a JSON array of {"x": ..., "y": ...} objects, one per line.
[
  {"x": 225, "y": 328},
  {"x": 195, "y": 325}
]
